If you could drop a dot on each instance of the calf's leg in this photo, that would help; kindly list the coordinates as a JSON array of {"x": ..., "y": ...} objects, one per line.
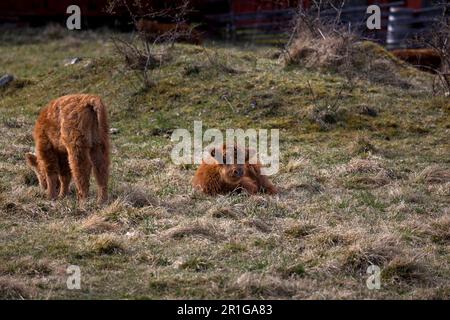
[
  {"x": 249, "y": 185},
  {"x": 80, "y": 166},
  {"x": 64, "y": 175},
  {"x": 100, "y": 163},
  {"x": 50, "y": 166}
]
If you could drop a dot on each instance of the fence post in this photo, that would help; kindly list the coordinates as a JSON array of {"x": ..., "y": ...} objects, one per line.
[{"x": 399, "y": 26}]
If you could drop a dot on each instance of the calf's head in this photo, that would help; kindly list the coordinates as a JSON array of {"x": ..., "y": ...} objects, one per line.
[{"x": 232, "y": 166}]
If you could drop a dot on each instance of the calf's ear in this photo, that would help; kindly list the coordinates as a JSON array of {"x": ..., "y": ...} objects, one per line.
[
  {"x": 215, "y": 155},
  {"x": 31, "y": 160}
]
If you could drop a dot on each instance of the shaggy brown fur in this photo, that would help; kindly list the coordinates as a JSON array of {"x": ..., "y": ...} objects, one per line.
[
  {"x": 72, "y": 137},
  {"x": 217, "y": 178},
  {"x": 154, "y": 29},
  {"x": 425, "y": 59}
]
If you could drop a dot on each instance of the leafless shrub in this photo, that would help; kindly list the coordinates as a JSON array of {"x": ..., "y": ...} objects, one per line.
[
  {"x": 151, "y": 46},
  {"x": 325, "y": 43},
  {"x": 438, "y": 39},
  {"x": 329, "y": 49},
  {"x": 318, "y": 41}
]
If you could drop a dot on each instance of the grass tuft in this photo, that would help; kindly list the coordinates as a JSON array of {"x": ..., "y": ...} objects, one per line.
[
  {"x": 106, "y": 243},
  {"x": 13, "y": 289}
]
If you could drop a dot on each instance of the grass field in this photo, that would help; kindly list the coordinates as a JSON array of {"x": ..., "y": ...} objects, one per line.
[{"x": 370, "y": 186}]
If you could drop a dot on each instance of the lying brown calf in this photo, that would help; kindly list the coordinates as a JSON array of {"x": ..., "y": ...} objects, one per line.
[
  {"x": 424, "y": 59},
  {"x": 221, "y": 178},
  {"x": 72, "y": 138}
]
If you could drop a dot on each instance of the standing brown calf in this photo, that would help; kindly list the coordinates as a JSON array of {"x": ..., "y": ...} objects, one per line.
[{"x": 72, "y": 137}]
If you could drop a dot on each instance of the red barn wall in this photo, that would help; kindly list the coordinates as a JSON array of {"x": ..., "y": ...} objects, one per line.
[{"x": 414, "y": 4}]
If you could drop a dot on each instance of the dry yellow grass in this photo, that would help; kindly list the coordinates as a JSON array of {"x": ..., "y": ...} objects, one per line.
[{"x": 368, "y": 189}]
